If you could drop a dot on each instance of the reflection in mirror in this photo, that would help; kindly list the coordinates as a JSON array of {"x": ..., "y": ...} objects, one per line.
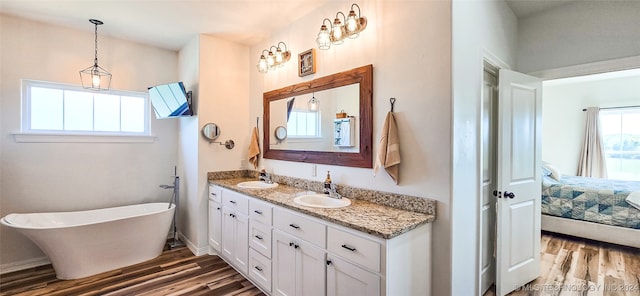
[
  {"x": 211, "y": 131},
  {"x": 317, "y": 129},
  {"x": 339, "y": 132},
  {"x": 280, "y": 133}
]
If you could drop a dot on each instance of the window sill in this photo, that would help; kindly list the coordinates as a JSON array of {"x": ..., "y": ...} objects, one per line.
[{"x": 80, "y": 138}]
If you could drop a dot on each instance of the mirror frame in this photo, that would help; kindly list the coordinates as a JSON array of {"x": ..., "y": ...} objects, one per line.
[{"x": 363, "y": 159}]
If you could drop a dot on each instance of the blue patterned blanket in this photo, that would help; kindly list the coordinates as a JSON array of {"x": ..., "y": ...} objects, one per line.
[{"x": 590, "y": 199}]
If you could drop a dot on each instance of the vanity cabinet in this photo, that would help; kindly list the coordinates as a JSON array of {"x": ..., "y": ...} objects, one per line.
[
  {"x": 298, "y": 266},
  {"x": 215, "y": 217},
  {"x": 285, "y": 252}
]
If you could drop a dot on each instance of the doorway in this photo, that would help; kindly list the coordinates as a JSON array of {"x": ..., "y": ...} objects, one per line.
[{"x": 510, "y": 153}]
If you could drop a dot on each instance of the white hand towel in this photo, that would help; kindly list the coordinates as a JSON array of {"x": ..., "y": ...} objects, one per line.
[
  {"x": 634, "y": 199},
  {"x": 254, "y": 148},
  {"x": 388, "y": 155}
]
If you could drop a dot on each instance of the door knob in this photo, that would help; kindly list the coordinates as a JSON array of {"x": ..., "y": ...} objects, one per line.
[{"x": 509, "y": 194}]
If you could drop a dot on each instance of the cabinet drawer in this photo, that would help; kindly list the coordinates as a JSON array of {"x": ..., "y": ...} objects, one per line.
[
  {"x": 260, "y": 270},
  {"x": 215, "y": 193},
  {"x": 260, "y": 211},
  {"x": 235, "y": 201},
  {"x": 260, "y": 237},
  {"x": 355, "y": 248},
  {"x": 301, "y": 227}
]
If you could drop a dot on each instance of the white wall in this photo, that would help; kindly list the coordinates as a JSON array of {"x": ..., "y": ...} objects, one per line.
[
  {"x": 216, "y": 70},
  {"x": 40, "y": 177},
  {"x": 481, "y": 29},
  {"x": 409, "y": 45},
  {"x": 579, "y": 33},
  {"x": 563, "y": 118}
]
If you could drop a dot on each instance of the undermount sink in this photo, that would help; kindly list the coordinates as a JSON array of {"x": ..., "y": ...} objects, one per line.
[
  {"x": 257, "y": 185},
  {"x": 321, "y": 201}
]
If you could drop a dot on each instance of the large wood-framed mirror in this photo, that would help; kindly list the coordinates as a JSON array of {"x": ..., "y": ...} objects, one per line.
[{"x": 344, "y": 110}]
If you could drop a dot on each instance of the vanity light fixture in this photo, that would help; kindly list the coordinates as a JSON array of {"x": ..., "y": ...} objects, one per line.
[
  {"x": 338, "y": 32},
  {"x": 262, "y": 63},
  {"x": 275, "y": 58},
  {"x": 324, "y": 38},
  {"x": 349, "y": 27},
  {"x": 314, "y": 104},
  {"x": 95, "y": 77},
  {"x": 355, "y": 24}
]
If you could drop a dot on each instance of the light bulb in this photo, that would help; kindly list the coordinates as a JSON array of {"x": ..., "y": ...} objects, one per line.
[
  {"x": 271, "y": 62},
  {"x": 95, "y": 79}
]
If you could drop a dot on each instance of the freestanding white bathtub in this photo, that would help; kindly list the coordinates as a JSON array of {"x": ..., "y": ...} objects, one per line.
[{"x": 85, "y": 243}]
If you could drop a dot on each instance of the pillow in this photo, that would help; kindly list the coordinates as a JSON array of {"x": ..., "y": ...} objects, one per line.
[{"x": 554, "y": 172}]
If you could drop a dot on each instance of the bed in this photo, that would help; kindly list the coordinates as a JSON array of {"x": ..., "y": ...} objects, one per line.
[{"x": 591, "y": 208}]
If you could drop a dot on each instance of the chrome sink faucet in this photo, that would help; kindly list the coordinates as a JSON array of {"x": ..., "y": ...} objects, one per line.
[
  {"x": 266, "y": 177},
  {"x": 333, "y": 192}
]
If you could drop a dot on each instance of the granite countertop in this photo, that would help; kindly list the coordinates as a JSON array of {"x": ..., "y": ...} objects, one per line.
[{"x": 372, "y": 218}]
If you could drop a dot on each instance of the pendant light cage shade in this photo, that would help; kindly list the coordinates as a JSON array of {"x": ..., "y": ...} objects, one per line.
[
  {"x": 95, "y": 77},
  {"x": 313, "y": 103}
]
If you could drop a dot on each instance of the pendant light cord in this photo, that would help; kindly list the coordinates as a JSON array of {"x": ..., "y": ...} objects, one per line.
[{"x": 95, "y": 61}]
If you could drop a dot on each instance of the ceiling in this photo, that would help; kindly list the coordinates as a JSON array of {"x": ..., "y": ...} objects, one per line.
[
  {"x": 172, "y": 23},
  {"x": 168, "y": 23}
]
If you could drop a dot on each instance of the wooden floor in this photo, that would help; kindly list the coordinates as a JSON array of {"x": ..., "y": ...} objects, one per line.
[
  {"x": 569, "y": 266},
  {"x": 175, "y": 272},
  {"x": 575, "y": 266}
]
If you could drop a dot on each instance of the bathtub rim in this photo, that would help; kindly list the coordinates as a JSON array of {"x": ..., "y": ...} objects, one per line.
[{"x": 8, "y": 223}]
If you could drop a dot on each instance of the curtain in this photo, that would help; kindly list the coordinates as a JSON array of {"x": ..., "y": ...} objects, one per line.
[{"x": 592, "y": 157}]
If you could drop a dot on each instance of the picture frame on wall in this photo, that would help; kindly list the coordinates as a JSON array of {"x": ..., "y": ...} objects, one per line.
[{"x": 307, "y": 62}]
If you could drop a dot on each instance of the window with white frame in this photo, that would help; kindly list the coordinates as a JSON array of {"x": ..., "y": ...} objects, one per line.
[
  {"x": 58, "y": 108},
  {"x": 303, "y": 124},
  {"x": 621, "y": 136}
]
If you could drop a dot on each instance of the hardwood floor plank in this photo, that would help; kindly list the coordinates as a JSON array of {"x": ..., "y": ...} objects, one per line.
[
  {"x": 576, "y": 266},
  {"x": 175, "y": 272}
]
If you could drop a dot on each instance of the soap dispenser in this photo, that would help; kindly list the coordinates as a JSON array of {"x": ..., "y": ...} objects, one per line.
[{"x": 327, "y": 184}]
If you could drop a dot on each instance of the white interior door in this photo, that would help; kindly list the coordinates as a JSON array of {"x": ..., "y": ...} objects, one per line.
[
  {"x": 488, "y": 182},
  {"x": 518, "y": 180}
]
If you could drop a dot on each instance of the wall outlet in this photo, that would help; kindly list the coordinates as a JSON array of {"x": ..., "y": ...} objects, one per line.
[
  {"x": 244, "y": 163},
  {"x": 314, "y": 170}
]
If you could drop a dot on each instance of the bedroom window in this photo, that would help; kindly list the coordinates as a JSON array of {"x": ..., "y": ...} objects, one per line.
[
  {"x": 61, "y": 109},
  {"x": 621, "y": 135}
]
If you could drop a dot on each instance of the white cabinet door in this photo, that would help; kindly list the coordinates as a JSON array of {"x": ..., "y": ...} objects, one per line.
[
  {"x": 344, "y": 278},
  {"x": 235, "y": 238},
  {"x": 228, "y": 236},
  {"x": 215, "y": 225},
  {"x": 284, "y": 264},
  {"x": 298, "y": 267},
  {"x": 310, "y": 270}
]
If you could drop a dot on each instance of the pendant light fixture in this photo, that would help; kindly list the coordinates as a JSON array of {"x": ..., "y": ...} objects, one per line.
[
  {"x": 95, "y": 77},
  {"x": 314, "y": 104}
]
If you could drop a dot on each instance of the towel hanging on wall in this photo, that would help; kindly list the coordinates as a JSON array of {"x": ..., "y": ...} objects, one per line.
[
  {"x": 388, "y": 155},
  {"x": 254, "y": 147}
]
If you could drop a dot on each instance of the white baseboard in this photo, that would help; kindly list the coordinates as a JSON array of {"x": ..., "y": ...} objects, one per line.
[
  {"x": 24, "y": 264},
  {"x": 198, "y": 251}
]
